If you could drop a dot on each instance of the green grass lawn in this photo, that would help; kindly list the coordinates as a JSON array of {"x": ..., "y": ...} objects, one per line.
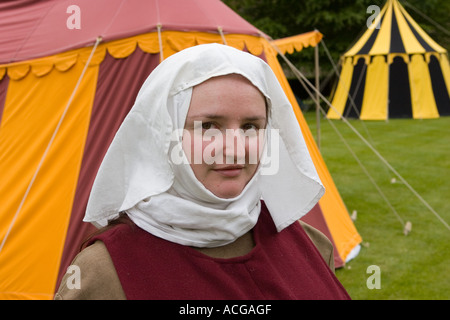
[{"x": 416, "y": 266}]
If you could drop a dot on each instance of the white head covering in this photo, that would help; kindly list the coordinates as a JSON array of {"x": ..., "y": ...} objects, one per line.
[{"x": 165, "y": 199}]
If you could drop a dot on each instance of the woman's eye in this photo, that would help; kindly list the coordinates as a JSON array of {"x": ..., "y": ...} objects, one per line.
[
  {"x": 250, "y": 126},
  {"x": 207, "y": 125}
]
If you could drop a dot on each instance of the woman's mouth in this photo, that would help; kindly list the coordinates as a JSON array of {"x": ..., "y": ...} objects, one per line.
[{"x": 229, "y": 171}]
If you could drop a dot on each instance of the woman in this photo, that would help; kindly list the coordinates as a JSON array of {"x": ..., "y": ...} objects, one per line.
[{"x": 210, "y": 173}]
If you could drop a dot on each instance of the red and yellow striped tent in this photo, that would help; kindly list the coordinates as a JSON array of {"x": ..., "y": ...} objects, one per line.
[{"x": 69, "y": 73}]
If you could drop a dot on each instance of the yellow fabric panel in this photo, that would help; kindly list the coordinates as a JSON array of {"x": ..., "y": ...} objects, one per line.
[
  {"x": 410, "y": 42},
  {"x": 382, "y": 43},
  {"x": 362, "y": 41},
  {"x": 420, "y": 31},
  {"x": 374, "y": 105},
  {"x": 344, "y": 233},
  {"x": 422, "y": 97},
  {"x": 343, "y": 87},
  {"x": 298, "y": 42},
  {"x": 445, "y": 67},
  {"x": 30, "y": 258}
]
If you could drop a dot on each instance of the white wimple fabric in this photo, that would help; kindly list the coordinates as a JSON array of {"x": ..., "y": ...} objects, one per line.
[{"x": 164, "y": 198}]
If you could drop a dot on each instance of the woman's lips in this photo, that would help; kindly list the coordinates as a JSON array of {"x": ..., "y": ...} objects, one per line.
[{"x": 230, "y": 171}]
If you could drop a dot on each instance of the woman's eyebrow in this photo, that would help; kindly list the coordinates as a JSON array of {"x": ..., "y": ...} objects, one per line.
[{"x": 218, "y": 116}]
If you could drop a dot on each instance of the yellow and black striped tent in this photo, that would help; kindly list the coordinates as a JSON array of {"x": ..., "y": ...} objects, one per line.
[{"x": 394, "y": 70}]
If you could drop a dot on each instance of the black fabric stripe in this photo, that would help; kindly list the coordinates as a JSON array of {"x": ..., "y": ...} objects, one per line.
[
  {"x": 400, "y": 105},
  {"x": 396, "y": 39},
  {"x": 440, "y": 90},
  {"x": 422, "y": 42},
  {"x": 369, "y": 43},
  {"x": 356, "y": 92}
]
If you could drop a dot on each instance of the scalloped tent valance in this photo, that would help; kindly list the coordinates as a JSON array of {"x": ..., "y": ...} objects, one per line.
[
  {"x": 298, "y": 42},
  {"x": 171, "y": 42}
]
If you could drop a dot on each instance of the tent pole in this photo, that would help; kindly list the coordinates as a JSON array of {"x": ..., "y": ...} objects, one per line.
[{"x": 316, "y": 60}]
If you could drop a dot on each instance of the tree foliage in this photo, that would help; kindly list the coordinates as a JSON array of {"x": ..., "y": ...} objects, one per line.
[{"x": 340, "y": 21}]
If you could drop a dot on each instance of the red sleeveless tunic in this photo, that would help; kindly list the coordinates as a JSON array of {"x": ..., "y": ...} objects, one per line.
[{"x": 283, "y": 265}]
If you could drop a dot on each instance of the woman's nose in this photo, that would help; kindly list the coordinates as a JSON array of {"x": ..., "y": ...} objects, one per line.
[{"x": 234, "y": 146}]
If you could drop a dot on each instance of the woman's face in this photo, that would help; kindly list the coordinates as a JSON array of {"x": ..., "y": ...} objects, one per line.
[{"x": 223, "y": 133}]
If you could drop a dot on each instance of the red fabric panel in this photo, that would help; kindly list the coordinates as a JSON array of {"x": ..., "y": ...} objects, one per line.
[
  {"x": 282, "y": 265},
  {"x": 315, "y": 218},
  {"x": 3, "y": 89},
  {"x": 119, "y": 81}
]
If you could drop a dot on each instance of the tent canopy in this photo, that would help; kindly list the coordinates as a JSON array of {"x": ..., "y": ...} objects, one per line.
[
  {"x": 25, "y": 24},
  {"x": 62, "y": 100},
  {"x": 394, "y": 70}
]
